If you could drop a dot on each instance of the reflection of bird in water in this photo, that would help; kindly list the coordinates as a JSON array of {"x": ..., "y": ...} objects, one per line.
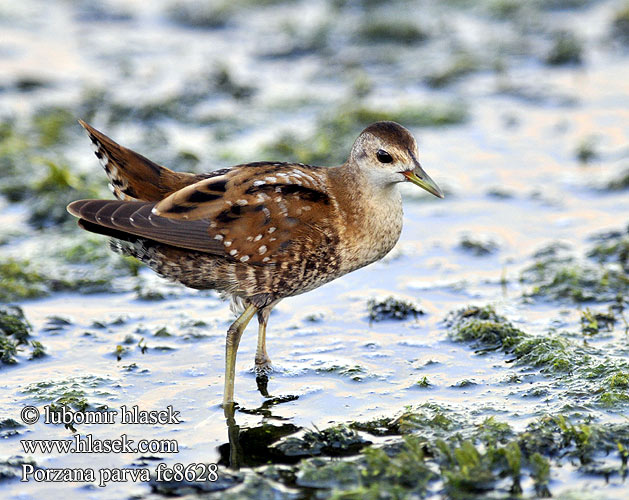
[{"x": 258, "y": 232}]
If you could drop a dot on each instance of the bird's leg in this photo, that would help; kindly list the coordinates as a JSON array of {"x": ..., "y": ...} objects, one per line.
[
  {"x": 263, "y": 362},
  {"x": 231, "y": 349}
]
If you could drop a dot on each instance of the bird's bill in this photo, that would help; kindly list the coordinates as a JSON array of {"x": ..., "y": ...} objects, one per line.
[{"x": 420, "y": 178}]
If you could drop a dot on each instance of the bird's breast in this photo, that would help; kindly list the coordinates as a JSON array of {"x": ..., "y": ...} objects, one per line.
[{"x": 372, "y": 229}]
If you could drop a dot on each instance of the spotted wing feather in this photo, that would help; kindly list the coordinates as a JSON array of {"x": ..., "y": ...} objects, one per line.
[{"x": 259, "y": 213}]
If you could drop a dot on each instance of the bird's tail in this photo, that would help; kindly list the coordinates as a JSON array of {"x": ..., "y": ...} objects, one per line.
[{"x": 132, "y": 176}]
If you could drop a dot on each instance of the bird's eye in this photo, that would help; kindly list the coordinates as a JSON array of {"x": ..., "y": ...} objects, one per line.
[{"x": 383, "y": 156}]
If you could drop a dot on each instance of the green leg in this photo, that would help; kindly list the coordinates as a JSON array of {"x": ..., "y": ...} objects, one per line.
[{"x": 231, "y": 349}]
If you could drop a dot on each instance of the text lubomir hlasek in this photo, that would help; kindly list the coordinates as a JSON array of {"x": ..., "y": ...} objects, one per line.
[{"x": 132, "y": 415}]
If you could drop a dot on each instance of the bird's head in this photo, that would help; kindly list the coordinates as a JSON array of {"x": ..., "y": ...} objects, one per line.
[{"x": 386, "y": 153}]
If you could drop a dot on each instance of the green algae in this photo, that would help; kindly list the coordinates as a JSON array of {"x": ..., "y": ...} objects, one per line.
[
  {"x": 146, "y": 293},
  {"x": 356, "y": 372},
  {"x": 392, "y": 31},
  {"x": 34, "y": 169},
  {"x": 14, "y": 323},
  {"x": 11, "y": 468},
  {"x": 612, "y": 247},
  {"x": 551, "y": 354},
  {"x": 462, "y": 65},
  {"x": 8, "y": 350},
  {"x": 619, "y": 183},
  {"x": 557, "y": 276},
  {"x": 484, "y": 328},
  {"x": 566, "y": 49},
  {"x": 38, "y": 349},
  {"x": 430, "y": 419},
  {"x": 81, "y": 393},
  {"x": 473, "y": 459},
  {"x": 79, "y": 262},
  {"x": 224, "y": 81},
  {"x": 331, "y": 442},
  {"x": 593, "y": 322},
  {"x": 52, "y": 125},
  {"x": 392, "y": 308},
  {"x": 200, "y": 14},
  {"x": 48, "y": 196},
  {"x": 504, "y": 9},
  {"x": 477, "y": 247},
  {"x": 424, "y": 383},
  {"x": 20, "y": 281},
  {"x": 575, "y": 370},
  {"x": 586, "y": 150},
  {"x": 468, "y": 469},
  {"x": 620, "y": 24},
  {"x": 375, "y": 474}
]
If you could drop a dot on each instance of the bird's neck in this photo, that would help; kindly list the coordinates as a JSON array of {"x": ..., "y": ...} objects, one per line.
[{"x": 371, "y": 217}]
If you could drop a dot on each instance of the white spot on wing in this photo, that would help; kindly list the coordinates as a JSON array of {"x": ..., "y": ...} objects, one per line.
[
  {"x": 228, "y": 243},
  {"x": 270, "y": 179},
  {"x": 244, "y": 258},
  {"x": 258, "y": 183},
  {"x": 242, "y": 203},
  {"x": 262, "y": 250},
  {"x": 218, "y": 237},
  {"x": 258, "y": 238}
]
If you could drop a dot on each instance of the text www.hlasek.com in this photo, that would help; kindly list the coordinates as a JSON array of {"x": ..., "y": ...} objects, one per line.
[{"x": 88, "y": 444}]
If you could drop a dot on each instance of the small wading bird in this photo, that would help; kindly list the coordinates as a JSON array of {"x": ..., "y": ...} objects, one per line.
[{"x": 258, "y": 232}]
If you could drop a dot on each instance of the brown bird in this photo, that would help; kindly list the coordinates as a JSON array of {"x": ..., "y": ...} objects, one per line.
[{"x": 257, "y": 232}]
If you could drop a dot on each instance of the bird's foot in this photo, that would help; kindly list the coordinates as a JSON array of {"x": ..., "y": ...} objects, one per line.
[
  {"x": 263, "y": 369},
  {"x": 263, "y": 365}
]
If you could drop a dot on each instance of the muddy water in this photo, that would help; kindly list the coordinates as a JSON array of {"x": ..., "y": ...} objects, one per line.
[{"x": 510, "y": 174}]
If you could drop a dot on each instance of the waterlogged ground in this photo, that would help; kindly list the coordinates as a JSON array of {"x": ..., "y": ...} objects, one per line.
[{"x": 485, "y": 357}]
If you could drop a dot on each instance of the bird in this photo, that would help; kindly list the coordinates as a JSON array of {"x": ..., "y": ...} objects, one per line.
[{"x": 257, "y": 232}]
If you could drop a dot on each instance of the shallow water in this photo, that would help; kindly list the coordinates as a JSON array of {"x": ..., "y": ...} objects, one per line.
[{"x": 520, "y": 139}]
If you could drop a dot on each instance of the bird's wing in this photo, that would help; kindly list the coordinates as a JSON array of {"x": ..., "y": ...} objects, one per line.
[
  {"x": 132, "y": 176},
  {"x": 135, "y": 218},
  {"x": 258, "y": 211}
]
